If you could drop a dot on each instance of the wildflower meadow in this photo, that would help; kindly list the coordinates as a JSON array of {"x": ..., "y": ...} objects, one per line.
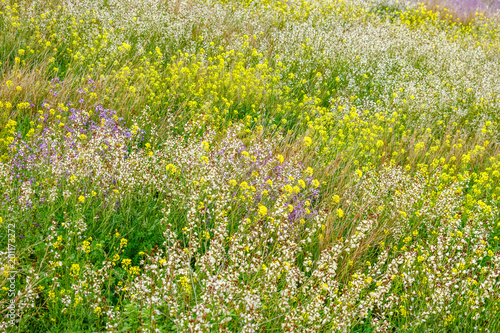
[{"x": 249, "y": 166}]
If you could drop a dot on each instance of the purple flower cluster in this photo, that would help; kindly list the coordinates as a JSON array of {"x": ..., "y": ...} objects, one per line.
[
  {"x": 278, "y": 175},
  {"x": 44, "y": 145},
  {"x": 71, "y": 141}
]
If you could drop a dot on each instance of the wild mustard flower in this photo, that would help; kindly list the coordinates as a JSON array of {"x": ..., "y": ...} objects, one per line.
[
  {"x": 170, "y": 167},
  {"x": 336, "y": 199},
  {"x": 123, "y": 242},
  {"x": 75, "y": 269},
  {"x": 262, "y": 210}
]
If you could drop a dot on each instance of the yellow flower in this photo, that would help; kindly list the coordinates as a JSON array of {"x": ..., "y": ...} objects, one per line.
[
  {"x": 245, "y": 153},
  {"x": 81, "y": 198},
  {"x": 86, "y": 246},
  {"x": 307, "y": 141},
  {"x": 340, "y": 212},
  {"x": 126, "y": 262},
  {"x": 309, "y": 171},
  {"x": 315, "y": 183},
  {"x": 98, "y": 310},
  {"x": 135, "y": 270},
  {"x": 205, "y": 145},
  {"x": 262, "y": 210},
  {"x": 281, "y": 158},
  {"x": 336, "y": 199},
  {"x": 171, "y": 168},
  {"x": 233, "y": 182},
  {"x": 75, "y": 269},
  {"x": 18, "y": 88}
]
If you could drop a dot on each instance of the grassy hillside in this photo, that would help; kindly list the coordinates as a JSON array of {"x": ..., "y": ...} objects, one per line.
[{"x": 248, "y": 166}]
